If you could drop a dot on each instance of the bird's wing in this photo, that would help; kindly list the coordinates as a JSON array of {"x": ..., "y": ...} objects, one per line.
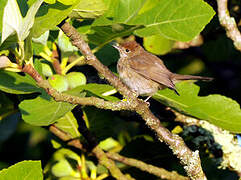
[{"x": 152, "y": 69}]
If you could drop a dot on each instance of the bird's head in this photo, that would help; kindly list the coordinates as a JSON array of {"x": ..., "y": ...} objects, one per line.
[{"x": 128, "y": 49}]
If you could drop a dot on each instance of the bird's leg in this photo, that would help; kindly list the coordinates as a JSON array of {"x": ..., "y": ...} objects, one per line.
[{"x": 147, "y": 99}]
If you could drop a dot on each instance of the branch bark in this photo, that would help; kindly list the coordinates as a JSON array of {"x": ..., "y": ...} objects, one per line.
[{"x": 229, "y": 23}]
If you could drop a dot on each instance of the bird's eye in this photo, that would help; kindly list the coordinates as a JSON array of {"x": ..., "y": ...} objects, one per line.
[{"x": 127, "y": 50}]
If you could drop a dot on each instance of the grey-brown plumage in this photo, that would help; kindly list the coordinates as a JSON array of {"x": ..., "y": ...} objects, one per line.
[{"x": 144, "y": 72}]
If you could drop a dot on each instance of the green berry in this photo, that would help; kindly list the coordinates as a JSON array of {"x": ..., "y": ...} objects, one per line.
[
  {"x": 58, "y": 82},
  {"x": 75, "y": 79}
]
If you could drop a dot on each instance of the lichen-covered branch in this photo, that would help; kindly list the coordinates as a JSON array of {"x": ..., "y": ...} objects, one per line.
[
  {"x": 190, "y": 159},
  {"x": 229, "y": 144},
  {"x": 229, "y": 23}
]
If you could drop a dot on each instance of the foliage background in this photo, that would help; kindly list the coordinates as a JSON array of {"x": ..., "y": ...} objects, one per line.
[{"x": 216, "y": 57}]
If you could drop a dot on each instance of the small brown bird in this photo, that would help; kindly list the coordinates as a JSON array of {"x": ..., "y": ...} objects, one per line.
[{"x": 144, "y": 73}]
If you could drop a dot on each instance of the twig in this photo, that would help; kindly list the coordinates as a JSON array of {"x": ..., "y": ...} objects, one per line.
[
  {"x": 160, "y": 172},
  {"x": 229, "y": 23},
  {"x": 190, "y": 159},
  {"x": 197, "y": 41},
  {"x": 87, "y": 101}
]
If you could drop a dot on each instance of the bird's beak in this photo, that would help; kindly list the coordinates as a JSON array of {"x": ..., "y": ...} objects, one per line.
[{"x": 116, "y": 45}]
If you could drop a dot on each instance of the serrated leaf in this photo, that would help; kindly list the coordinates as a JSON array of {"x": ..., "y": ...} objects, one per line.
[
  {"x": 14, "y": 83},
  {"x": 68, "y": 124},
  {"x": 27, "y": 170},
  {"x": 218, "y": 110},
  {"x": 43, "y": 110}
]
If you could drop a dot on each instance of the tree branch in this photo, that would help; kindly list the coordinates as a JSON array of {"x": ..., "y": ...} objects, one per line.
[
  {"x": 160, "y": 172},
  {"x": 190, "y": 159},
  {"x": 87, "y": 101},
  {"x": 231, "y": 149},
  {"x": 229, "y": 23},
  {"x": 63, "y": 97}
]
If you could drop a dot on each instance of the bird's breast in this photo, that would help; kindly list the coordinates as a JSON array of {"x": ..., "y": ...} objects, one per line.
[{"x": 135, "y": 81}]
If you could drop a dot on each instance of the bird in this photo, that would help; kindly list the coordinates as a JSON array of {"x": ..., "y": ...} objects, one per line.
[{"x": 145, "y": 73}]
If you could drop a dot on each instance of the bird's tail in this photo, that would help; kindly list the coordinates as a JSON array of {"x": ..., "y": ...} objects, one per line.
[{"x": 190, "y": 77}]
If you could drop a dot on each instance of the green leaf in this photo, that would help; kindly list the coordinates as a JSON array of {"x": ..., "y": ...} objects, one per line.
[
  {"x": 97, "y": 90},
  {"x": 50, "y": 1},
  {"x": 104, "y": 34},
  {"x": 88, "y": 9},
  {"x": 2, "y": 6},
  {"x": 179, "y": 20},
  {"x": 28, "y": 48},
  {"x": 157, "y": 44},
  {"x": 68, "y": 124},
  {"x": 64, "y": 164},
  {"x": 67, "y": 2},
  {"x": 49, "y": 16},
  {"x": 14, "y": 83},
  {"x": 13, "y": 21},
  {"x": 109, "y": 144},
  {"x": 65, "y": 44},
  {"x": 12, "y": 18},
  {"x": 27, "y": 170},
  {"x": 218, "y": 110},
  {"x": 42, "y": 39},
  {"x": 43, "y": 110}
]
